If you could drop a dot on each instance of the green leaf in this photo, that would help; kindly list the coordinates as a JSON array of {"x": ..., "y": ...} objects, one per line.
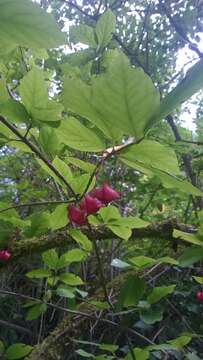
[
  {"x": 153, "y": 154},
  {"x": 132, "y": 222},
  {"x": 18, "y": 351},
  {"x": 108, "y": 347},
  {"x": 109, "y": 213},
  {"x": 29, "y": 26},
  {"x": 140, "y": 354},
  {"x": 66, "y": 292},
  {"x": 2, "y": 347},
  {"x": 121, "y": 231},
  {"x": 120, "y": 101},
  {"x": 102, "y": 305},
  {"x": 191, "y": 256},
  {"x": 83, "y": 34},
  {"x": 81, "y": 239},
  {"x": 71, "y": 279},
  {"x": 84, "y": 165},
  {"x": 58, "y": 218},
  {"x": 160, "y": 292},
  {"x": 34, "y": 94},
  {"x": 131, "y": 291},
  {"x": 141, "y": 261},
  {"x": 50, "y": 258},
  {"x": 84, "y": 353},
  {"x": 105, "y": 27},
  {"x": 74, "y": 134},
  {"x": 75, "y": 255},
  {"x": 14, "y": 111},
  {"x": 35, "y": 311},
  {"x": 38, "y": 274},
  {"x": 180, "y": 341},
  {"x": 192, "y": 83},
  {"x": 49, "y": 140},
  {"x": 191, "y": 238},
  {"x": 151, "y": 316},
  {"x": 198, "y": 279}
]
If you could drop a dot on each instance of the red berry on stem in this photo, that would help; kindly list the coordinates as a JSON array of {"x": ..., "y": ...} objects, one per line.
[
  {"x": 200, "y": 296},
  {"x": 90, "y": 204},
  {"x": 105, "y": 194},
  {"x": 77, "y": 215},
  {"x": 5, "y": 255}
]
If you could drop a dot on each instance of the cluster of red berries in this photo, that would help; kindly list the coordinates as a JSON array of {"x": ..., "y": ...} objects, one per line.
[
  {"x": 93, "y": 201},
  {"x": 200, "y": 296},
  {"x": 5, "y": 255}
]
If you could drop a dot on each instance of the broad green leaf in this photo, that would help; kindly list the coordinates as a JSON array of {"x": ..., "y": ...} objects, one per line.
[
  {"x": 81, "y": 239},
  {"x": 109, "y": 213},
  {"x": 59, "y": 218},
  {"x": 140, "y": 354},
  {"x": 74, "y": 134},
  {"x": 198, "y": 279},
  {"x": 18, "y": 351},
  {"x": 180, "y": 341},
  {"x": 151, "y": 316},
  {"x": 66, "y": 292},
  {"x": 62, "y": 168},
  {"x": 49, "y": 140},
  {"x": 108, "y": 347},
  {"x": 192, "y": 83},
  {"x": 71, "y": 279},
  {"x": 84, "y": 165},
  {"x": 142, "y": 261},
  {"x": 50, "y": 258},
  {"x": 34, "y": 94},
  {"x": 39, "y": 224},
  {"x": 121, "y": 231},
  {"x": 84, "y": 353},
  {"x": 191, "y": 238},
  {"x": 14, "y": 111},
  {"x": 120, "y": 101},
  {"x": 105, "y": 27},
  {"x": 29, "y": 26},
  {"x": 132, "y": 222},
  {"x": 131, "y": 291},
  {"x": 83, "y": 34},
  {"x": 160, "y": 292},
  {"x": 102, "y": 305},
  {"x": 79, "y": 184},
  {"x": 35, "y": 311},
  {"x": 75, "y": 255},
  {"x": 191, "y": 256},
  {"x": 38, "y": 274},
  {"x": 153, "y": 154}
]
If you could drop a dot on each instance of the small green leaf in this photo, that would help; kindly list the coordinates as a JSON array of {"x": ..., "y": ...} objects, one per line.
[
  {"x": 131, "y": 292},
  {"x": 18, "y": 351},
  {"x": 151, "y": 316},
  {"x": 35, "y": 311},
  {"x": 59, "y": 218},
  {"x": 75, "y": 255},
  {"x": 180, "y": 341},
  {"x": 141, "y": 261},
  {"x": 83, "y": 34},
  {"x": 38, "y": 274},
  {"x": 198, "y": 279},
  {"x": 74, "y": 134},
  {"x": 50, "y": 258},
  {"x": 160, "y": 292},
  {"x": 108, "y": 347},
  {"x": 65, "y": 292},
  {"x": 14, "y": 111},
  {"x": 109, "y": 213},
  {"x": 105, "y": 27},
  {"x": 140, "y": 354},
  {"x": 84, "y": 353},
  {"x": 191, "y": 238},
  {"x": 121, "y": 231},
  {"x": 191, "y": 256},
  {"x": 71, "y": 279},
  {"x": 81, "y": 239}
]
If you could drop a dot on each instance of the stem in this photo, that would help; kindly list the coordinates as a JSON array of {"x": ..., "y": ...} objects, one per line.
[
  {"x": 38, "y": 154},
  {"x": 40, "y": 203}
]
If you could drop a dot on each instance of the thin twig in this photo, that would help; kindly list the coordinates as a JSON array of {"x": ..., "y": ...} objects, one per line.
[{"x": 38, "y": 203}]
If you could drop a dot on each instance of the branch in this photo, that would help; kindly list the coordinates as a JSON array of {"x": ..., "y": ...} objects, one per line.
[
  {"x": 39, "y": 203},
  {"x": 59, "y": 239},
  {"x": 38, "y": 154}
]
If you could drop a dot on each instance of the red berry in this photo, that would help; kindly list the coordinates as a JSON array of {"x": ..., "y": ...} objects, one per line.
[
  {"x": 5, "y": 255},
  {"x": 105, "y": 194},
  {"x": 77, "y": 215},
  {"x": 200, "y": 296},
  {"x": 90, "y": 204}
]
